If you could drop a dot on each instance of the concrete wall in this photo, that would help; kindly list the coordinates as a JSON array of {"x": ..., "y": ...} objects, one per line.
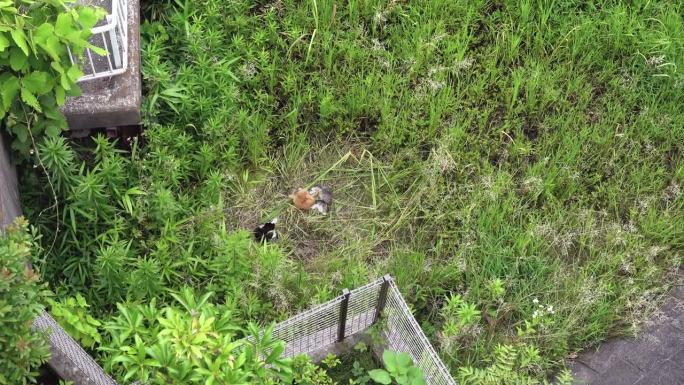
[{"x": 9, "y": 193}]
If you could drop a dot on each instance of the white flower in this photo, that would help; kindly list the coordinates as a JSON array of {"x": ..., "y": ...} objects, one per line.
[
  {"x": 550, "y": 309},
  {"x": 535, "y": 301}
]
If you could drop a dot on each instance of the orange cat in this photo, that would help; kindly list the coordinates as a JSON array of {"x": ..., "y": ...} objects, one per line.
[{"x": 302, "y": 199}]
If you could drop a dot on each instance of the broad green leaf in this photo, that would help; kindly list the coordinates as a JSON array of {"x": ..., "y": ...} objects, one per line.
[
  {"x": 89, "y": 16},
  {"x": 41, "y": 34},
  {"x": 74, "y": 73},
  {"x": 4, "y": 42},
  {"x": 30, "y": 99},
  {"x": 390, "y": 360},
  {"x": 53, "y": 47},
  {"x": 52, "y": 130},
  {"x": 60, "y": 95},
  {"x": 21, "y": 133},
  {"x": 9, "y": 87},
  {"x": 57, "y": 67},
  {"x": 416, "y": 376},
  {"x": 65, "y": 81},
  {"x": 38, "y": 82},
  {"x": 20, "y": 38},
  {"x": 380, "y": 376},
  {"x": 64, "y": 25},
  {"x": 17, "y": 59},
  {"x": 275, "y": 353},
  {"x": 403, "y": 360}
]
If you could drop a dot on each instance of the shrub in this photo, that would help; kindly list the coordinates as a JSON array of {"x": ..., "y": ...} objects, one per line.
[
  {"x": 21, "y": 295},
  {"x": 36, "y": 73},
  {"x": 194, "y": 343}
]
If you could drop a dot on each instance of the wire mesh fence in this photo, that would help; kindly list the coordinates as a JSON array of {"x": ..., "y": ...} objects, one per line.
[
  {"x": 320, "y": 327},
  {"x": 67, "y": 357},
  {"x": 316, "y": 329}
]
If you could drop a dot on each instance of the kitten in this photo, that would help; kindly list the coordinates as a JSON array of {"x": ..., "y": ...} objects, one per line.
[
  {"x": 266, "y": 232},
  {"x": 302, "y": 199},
  {"x": 323, "y": 197}
]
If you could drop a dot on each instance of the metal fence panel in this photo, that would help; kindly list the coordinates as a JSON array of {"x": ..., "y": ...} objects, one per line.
[
  {"x": 403, "y": 334},
  {"x": 318, "y": 328},
  {"x": 112, "y": 37}
]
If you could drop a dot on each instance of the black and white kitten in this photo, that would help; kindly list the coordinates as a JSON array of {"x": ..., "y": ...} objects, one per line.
[{"x": 266, "y": 232}]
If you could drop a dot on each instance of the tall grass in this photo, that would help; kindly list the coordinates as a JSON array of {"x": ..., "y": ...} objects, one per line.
[{"x": 517, "y": 154}]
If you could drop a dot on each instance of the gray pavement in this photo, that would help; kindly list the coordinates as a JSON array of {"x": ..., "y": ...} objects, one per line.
[{"x": 654, "y": 357}]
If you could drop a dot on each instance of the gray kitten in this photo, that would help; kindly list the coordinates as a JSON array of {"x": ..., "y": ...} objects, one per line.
[{"x": 323, "y": 196}]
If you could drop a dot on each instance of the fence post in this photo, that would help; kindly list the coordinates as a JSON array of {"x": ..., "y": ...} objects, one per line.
[
  {"x": 382, "y": 297},
  {"x": 344, "y": 306}
]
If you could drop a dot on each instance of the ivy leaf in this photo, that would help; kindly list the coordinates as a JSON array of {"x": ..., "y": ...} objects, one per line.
[
  {"x": 380, "y": 376},
  {"x": 30, "y": 99},
  {"x": 20, "y": 38},
  {"x": 37, "y": 82},
  {"x": 17, "y": 59},
  {"x": 4, "y": 42}
]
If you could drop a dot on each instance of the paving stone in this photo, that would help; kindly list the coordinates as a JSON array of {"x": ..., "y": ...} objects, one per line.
[
  {"x": 678, "y": 358},
  {"x": 673, "y": 307},
  {"x": 672, "y": 312},
  {"x": 653, "y": 348},
  {"x": 678, "y": 292},
  {"x": 678, "y": 322},
  {"x": 581, "y": 373},
  {"x": 656, "y": 357},
  {"x": 666, "y": 374},
  {"x": 620, "y": 373},
  {"x": 607, "y": 354}
]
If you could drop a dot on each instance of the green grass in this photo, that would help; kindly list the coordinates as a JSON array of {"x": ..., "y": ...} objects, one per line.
[{"x": 538, "y": 143}]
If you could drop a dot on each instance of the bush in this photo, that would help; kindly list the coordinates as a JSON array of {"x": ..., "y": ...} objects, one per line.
[
  {"x": 194, "y": 343},
  {"x": 21, "y": 295},
  {"x": 36, "y": 72}
]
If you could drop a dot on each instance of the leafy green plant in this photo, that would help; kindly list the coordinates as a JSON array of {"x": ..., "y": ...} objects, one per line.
[
  {"x": 36, "y": 72},
  {"x": 21, "y": 298},
  {"x": 306, "y": 372},
  {"x": 72, "y": 315},
  {"x": 399, "y": 369},
  {"x": 509, "y": 365},
  {"x": 196, "y": 343}
]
